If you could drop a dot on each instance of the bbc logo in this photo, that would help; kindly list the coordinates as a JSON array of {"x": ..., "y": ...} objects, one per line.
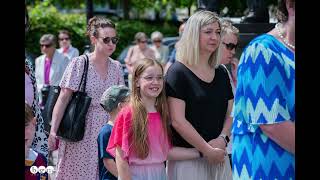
[{"x": 41, "y": 169}]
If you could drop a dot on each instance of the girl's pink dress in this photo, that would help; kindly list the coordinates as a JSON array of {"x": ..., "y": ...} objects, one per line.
[{"x": 151, "y": 167}]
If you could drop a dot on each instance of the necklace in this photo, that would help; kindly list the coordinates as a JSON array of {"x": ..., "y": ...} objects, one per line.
[{"x": 284, "y": 39}]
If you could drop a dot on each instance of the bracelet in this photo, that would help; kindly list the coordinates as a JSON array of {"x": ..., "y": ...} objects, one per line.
[
  {"x": 224, "y": 139},
  {"x": 200, "y": 153}
]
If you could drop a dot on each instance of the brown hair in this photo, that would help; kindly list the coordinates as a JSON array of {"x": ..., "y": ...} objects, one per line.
[
  {"x": 139, "y": 130},
  {"x": 97, "y": 22},
  {"x": 282, "y": 12},
  {"x": 63, "y": 31},
  {"x": 28, "y": 114}
]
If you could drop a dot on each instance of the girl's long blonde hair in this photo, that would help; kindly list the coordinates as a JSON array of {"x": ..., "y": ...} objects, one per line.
[{"x": 139, "y": 128}]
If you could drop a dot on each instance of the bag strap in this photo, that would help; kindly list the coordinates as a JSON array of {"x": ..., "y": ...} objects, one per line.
[{"x": 84, "y": 75}]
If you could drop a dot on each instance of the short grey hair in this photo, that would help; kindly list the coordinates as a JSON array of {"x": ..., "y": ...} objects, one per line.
[
  {"x": 228, "y": 28},
  {"x": 48, "y": 38},
  {"x": 156, "y": 35},
  {"x": 188, "y": 45},
  {"x": 139, "y": 36}
]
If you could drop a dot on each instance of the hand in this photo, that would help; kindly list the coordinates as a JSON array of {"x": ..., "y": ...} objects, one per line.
[
  {"x": 215, "y": 155},
  {"x": 52, "y": 142},
  {"x": 218, "y": 143}
]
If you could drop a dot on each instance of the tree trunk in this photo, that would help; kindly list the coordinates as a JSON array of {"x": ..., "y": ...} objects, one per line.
[
  {"x": 89, "y": 9},
  {"x": 126, "y": 9}
]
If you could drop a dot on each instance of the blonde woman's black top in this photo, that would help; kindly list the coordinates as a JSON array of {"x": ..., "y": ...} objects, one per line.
[{"x": 206, "y": 103}]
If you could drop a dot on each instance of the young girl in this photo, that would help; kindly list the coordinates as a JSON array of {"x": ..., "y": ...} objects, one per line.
[{"x": 139, "y": 140}]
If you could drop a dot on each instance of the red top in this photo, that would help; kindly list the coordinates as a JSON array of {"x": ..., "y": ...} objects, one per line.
[{"x": 120, "y": 136}]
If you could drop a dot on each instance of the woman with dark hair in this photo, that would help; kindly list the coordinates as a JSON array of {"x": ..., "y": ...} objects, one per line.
[
  {"x": 264, "y": 107},
  {"x": 78, "y": 160}
]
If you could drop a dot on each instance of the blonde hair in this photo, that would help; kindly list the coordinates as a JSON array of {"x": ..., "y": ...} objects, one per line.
[
  {"x": 188, "y": 45},
  {"x": 139, "y": 128},
  {"x": 228, "y": 28}
]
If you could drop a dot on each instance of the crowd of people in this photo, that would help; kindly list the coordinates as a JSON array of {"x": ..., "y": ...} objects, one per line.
[{"x": 198, "y": 113}]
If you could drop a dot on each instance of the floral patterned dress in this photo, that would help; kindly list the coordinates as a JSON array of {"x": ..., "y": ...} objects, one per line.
[
  {"x": 40, "y": 141},
  {"x": 78, "y": 160}
]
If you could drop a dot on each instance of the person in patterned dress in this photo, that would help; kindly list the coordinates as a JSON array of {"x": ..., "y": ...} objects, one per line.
[
  {"x": 40, "y": 142},
  {"x": 264, "y": 107},
  {"x": 78, "y": 160}
]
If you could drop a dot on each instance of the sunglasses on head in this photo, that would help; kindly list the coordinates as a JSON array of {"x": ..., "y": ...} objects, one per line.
[
  {"x": 45, "y": 45},
  {"x": 231, "y": 46},
  {"x": 107, "y": 40},
  {"x": 61, "y": 39}
]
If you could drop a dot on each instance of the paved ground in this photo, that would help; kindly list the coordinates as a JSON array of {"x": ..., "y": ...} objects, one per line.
[{"x": 53, "y": 159}]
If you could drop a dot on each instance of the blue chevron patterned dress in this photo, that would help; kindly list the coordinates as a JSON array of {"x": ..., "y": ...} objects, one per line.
[{"x": 265, "y": 95}]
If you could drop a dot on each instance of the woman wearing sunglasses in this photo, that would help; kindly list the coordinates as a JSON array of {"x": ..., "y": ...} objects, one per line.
[
  {"x": 228, "y": 47},
  {"x": 49, "y": 67},
  {"x": 65, "y": 45},
  {"x": 138, "y": 51},
  {"x": 78, "y": 160}
]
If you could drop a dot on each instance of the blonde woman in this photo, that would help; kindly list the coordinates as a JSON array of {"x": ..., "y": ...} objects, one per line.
[{"x": 200, "y": 100}]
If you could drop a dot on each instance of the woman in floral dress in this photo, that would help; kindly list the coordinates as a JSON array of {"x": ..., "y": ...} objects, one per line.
[{"x": 78, "y": 160}]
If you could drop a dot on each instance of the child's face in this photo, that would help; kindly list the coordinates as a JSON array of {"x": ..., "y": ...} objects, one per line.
[
  {"x": 151, "y": 82},
  {"x": 29, "y": 131}
]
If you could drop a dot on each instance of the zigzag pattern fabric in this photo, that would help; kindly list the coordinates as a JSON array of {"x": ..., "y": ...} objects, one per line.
[{"x": 265, "y": 94}]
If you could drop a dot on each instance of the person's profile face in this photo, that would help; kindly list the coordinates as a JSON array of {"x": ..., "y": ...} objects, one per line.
[{"x": 229, "y": 44}]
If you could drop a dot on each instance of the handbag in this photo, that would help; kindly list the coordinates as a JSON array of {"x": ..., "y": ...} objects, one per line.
[
  {"x": 52, "y": 97},
  {"x": 72, "y": 125}
]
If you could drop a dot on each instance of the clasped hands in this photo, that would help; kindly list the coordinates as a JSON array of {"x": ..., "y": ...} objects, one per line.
[{"x": 217, "y": 152}]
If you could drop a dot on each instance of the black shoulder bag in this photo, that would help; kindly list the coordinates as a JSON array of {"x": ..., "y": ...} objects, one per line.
[{"x": 72, "y": 125}]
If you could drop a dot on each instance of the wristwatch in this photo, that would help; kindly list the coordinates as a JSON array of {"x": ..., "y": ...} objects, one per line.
[{"x": 225, "y": 138}]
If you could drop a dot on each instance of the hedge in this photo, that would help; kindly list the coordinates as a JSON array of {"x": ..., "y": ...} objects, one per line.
[{"x": 45, "y": 18}]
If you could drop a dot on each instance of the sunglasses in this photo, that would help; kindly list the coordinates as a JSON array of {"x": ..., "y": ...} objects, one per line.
[
  {"x": 157, "y": 41},
  {"x": 231, "y": 46},
  {"x": 61, "y": 39},
  {"x": 143, "y": 41},
  {"x": 107, "y": 40},
  {"x": 45, "y": 45}
]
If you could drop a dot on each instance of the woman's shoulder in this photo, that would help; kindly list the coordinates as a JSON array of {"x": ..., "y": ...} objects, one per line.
[{"x": 114, "y": 62}]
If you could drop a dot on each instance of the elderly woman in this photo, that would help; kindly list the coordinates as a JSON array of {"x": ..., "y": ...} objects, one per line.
[
  {"x": 161, "y": 51},
  {"x": 264, "y": 108},
  {"x": 50, "y": 66},
  {"x": 229, "y": 43},
  {"x": 137, "y": 52}
]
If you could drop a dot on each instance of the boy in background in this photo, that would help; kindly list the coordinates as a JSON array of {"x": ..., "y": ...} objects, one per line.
[{"x": 112, "y": 100}]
